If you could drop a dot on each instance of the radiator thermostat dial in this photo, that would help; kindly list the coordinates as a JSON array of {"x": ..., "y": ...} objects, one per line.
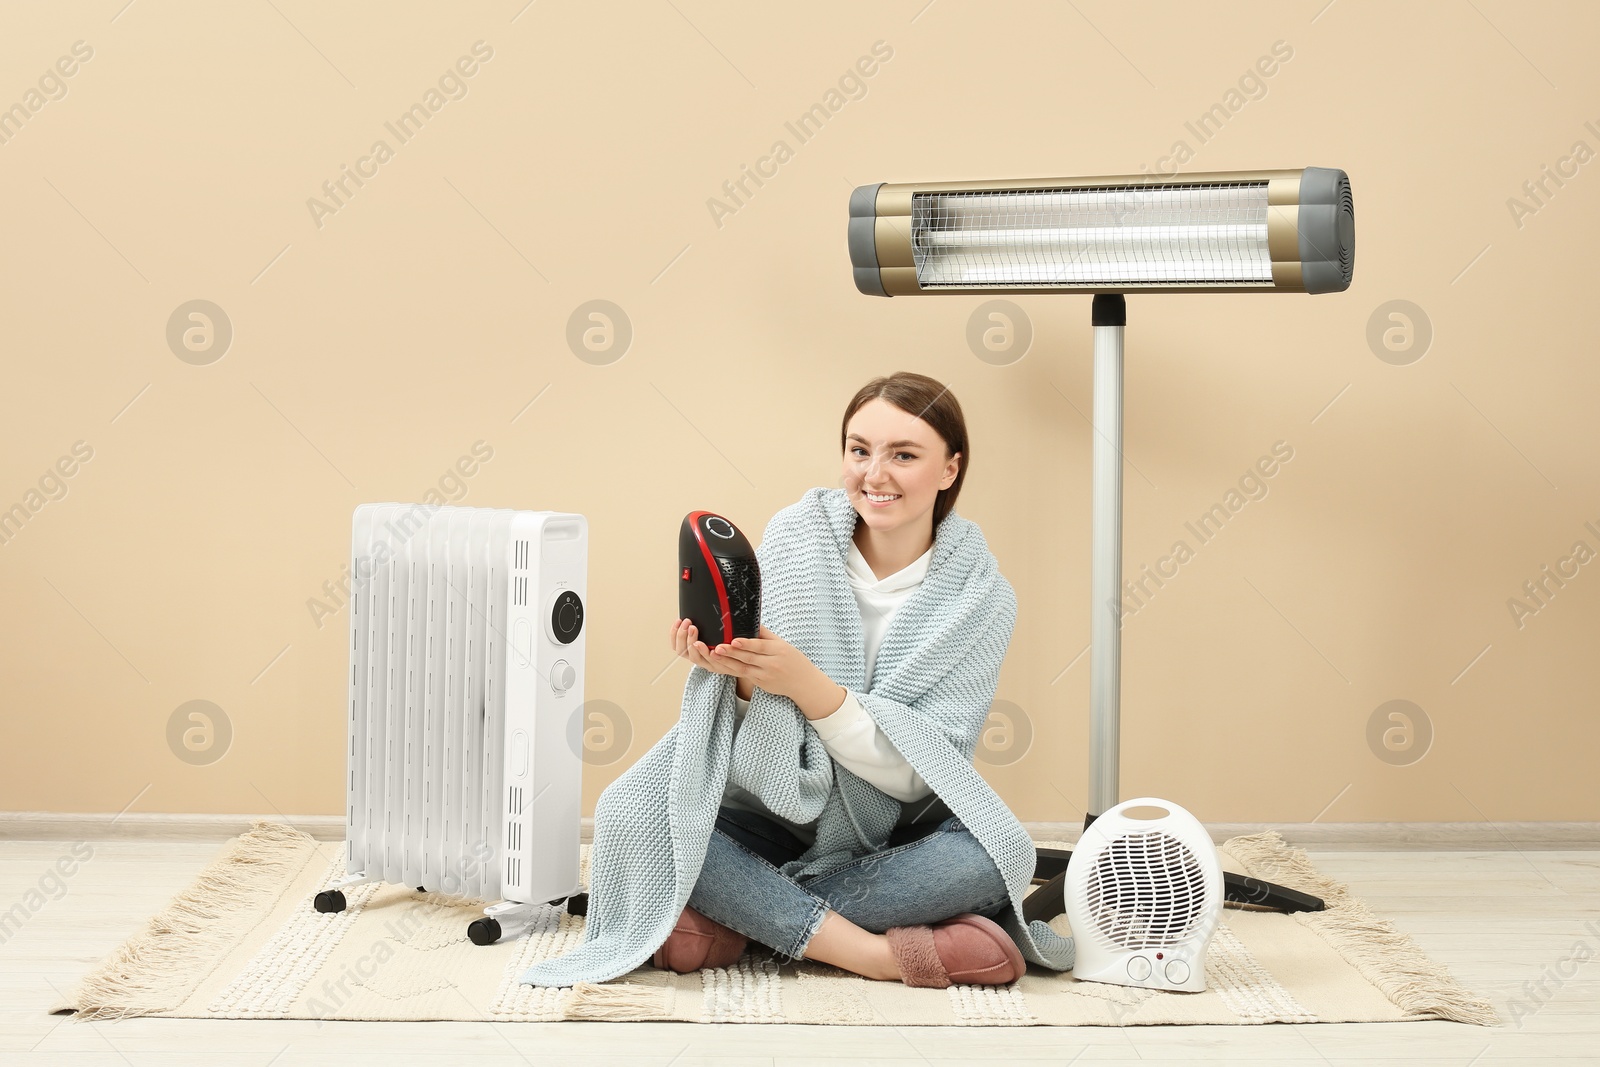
[{"x": 566, "y": 617}]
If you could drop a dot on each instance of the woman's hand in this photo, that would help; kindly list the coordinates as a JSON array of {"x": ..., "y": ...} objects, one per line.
[
  {"x": 685, "y": 642},
  {"x": 767, "y": 661},
  {"x": 770, "y": 662}
]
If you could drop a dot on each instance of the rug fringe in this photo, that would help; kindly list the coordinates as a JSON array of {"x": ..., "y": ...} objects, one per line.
[
  {"x": 1384, "y": 955},
  {"x": 154, "y": 970},
  {"x": 619, "y": 1001}
]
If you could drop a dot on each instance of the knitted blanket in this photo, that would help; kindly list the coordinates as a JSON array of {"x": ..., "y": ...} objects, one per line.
[{"x": 936, "y": 673}]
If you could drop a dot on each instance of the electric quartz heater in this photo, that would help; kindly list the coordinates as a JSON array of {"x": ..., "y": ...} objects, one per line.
[
  {"x": 466, "y": 679},
  {"x": 1266, "y": 231},
  {"x": 1285, "y": 231},
  {"x": 1144, "y": 896},
  {"x": 719, "y": 580}
]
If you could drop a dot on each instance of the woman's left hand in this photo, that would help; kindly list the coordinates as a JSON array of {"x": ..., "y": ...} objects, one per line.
[{"x": 767, "y": 661}]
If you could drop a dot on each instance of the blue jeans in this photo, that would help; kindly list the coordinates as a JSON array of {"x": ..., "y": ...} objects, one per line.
[{"x": 933, "y": 877}]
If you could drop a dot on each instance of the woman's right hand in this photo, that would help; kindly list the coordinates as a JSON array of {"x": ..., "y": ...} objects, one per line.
[
  {"x": 684, "y": 638},
  {"x": 686, "y": 643}
]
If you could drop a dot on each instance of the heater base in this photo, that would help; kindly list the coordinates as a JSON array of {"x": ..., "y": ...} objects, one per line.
[
  {"x": 577, "y": 903},
  {"x": 509, "y": 920},
  {"x": 332, "y": 901},
  {"x": 483, "y": 931}
]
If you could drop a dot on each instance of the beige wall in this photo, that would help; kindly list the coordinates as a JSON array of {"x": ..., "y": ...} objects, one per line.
[{"x": 374, "y": 345}]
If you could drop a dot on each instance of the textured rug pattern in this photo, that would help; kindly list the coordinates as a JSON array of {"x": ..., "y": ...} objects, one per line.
[{"x": 244, "y": 942}]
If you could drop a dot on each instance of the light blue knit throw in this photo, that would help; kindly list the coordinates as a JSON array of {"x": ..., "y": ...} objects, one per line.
[{"x": 936, "y": 673}]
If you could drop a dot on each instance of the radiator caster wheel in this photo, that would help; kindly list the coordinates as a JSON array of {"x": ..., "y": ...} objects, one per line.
[
  {"x": 484, "y": 931},
  {"x": 578, "y": 904},
  {"x": 329, "y": 900}
]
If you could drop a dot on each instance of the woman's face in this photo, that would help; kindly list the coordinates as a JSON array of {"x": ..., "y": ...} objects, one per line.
[{"x": 888, "y": 451}]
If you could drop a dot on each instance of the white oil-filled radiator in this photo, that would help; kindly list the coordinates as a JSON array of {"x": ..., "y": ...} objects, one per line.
[{"x": 466, "y": 679}]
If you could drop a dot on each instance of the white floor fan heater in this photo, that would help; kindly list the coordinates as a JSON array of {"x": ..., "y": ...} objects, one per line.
[{"x": 1278, "y": 231}]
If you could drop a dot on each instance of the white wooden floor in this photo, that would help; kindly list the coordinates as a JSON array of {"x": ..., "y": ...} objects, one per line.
[{"x": 1497, "y": 919}]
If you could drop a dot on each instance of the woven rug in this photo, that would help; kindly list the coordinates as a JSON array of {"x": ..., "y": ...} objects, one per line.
[{"x": 244, "y": 942}]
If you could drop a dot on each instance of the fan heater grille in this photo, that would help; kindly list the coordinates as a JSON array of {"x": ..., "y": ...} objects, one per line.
[
  {"x": 1146, "y": 891},
  {"x": 742, "y": 577}
]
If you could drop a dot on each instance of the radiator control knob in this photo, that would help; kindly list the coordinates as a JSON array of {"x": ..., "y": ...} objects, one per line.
[
  {"x": 1177, "y": 972},
  {"x": 562, "y": 676},
  {"x": 1138, "y": 968},
  {"x": 566, "y": 617}
]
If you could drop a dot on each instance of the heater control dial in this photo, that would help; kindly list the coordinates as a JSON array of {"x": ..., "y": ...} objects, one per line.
[
  {"x": 1177, "y": 972},
  {"x": 562, "y": 676},
  {"x": 566, "y": 617},
  {"x": 1139, "y": 968}
]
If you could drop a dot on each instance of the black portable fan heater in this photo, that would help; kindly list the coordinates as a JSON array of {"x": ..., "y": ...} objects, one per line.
[{"x": 719, "y": 581}]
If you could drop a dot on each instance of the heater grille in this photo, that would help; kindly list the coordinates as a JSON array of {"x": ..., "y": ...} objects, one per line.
[
  {"x": 1346, "y": 231},
  {"x": 1146, "y": 891},
  {"x": 742, "y": 578},
  {"x": 1126, "y": 236},
  {"x": 513, "y": 822}
]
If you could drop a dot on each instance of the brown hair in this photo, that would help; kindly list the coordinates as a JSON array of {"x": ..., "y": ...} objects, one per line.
[{"x": 933, "y": 403}]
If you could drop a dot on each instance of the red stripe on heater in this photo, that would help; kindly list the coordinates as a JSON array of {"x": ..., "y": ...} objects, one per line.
[{"x": 716, "y": 575}]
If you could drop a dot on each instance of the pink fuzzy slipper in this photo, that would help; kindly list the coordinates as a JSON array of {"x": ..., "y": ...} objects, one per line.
[
  {"x": 698, "y": 942},
  {"x": 968, "y": 949}
]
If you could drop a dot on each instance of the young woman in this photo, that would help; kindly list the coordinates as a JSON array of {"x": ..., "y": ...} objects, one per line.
[{"x": 905, "y": 454}]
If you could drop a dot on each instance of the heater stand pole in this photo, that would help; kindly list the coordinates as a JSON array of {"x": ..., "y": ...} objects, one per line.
[
  {"x": 1105, "y": 638},
  {"x": 1105, "y": 579}
]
